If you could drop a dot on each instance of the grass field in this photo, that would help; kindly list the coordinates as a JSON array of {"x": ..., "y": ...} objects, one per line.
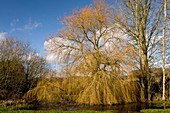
[{"x": 10, "y": 110}]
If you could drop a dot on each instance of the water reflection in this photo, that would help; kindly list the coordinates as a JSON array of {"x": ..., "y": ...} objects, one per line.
[{"x": 127, "y": 108}]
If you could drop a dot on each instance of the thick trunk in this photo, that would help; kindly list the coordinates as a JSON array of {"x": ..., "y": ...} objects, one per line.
[
  {"x": 146, "y": 72},
  {"x": 138, "y": 32},
  {"x": 142, "y": 94}
]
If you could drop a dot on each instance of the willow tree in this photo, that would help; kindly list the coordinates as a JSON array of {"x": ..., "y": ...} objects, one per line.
[
  {"x": 88, "y": 47},
  {"x": 140, "y": 20}
]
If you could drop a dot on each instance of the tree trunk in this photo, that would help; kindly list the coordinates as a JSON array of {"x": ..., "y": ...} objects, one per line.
[
  {"x": 163, "y": 51},
  {"x": 142, "y": 94},
  {"x": 146, "y": 72}
]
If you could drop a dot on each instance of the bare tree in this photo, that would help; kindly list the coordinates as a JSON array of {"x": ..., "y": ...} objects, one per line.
[
  {"x": 11, "y": 69},
  {"x": 18, "y": 73},
  {"x": 140, "y": 20}
]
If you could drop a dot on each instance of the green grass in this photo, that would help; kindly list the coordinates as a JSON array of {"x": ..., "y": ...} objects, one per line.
[
  {"x": 27, "y": 111},
  {"x": 155, "y": 111},
  {"x": 31, "y": 111},
  {"x": 4, "y": 109},
  {"x": 10, "y": 110},
  {"x": 13, "y": 109},
  {"x": 158, "y": 104}
]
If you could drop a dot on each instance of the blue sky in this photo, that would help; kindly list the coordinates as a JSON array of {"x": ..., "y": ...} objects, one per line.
[{"x": 35, "y": 20}]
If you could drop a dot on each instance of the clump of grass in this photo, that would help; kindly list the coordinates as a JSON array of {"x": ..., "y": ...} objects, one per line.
[{"x": 22, "y": 106}]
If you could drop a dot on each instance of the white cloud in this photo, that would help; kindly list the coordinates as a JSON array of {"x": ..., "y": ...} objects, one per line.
[
  {"x": 50, "y": 57},
  {"x": 3, "y": 35},
  {"x": 28, "y": 26},
  {"x": 58, "y": 48},
  {"x": 31, "y": 25},
  {"x": 14, "y": 22}
]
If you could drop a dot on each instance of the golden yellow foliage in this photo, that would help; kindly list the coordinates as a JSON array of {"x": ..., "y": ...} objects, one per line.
[
  {"x": 95, "y": 61},
  {"x": 46, "y": 91}
]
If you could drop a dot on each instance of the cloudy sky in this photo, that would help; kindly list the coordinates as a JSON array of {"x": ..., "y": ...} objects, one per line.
[{"x": 35, "y": 20}]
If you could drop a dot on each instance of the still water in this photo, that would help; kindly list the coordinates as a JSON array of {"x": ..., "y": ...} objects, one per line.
[{"x": 126, "y": 108}]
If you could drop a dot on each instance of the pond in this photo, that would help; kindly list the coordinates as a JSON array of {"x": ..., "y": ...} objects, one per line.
[{"x": 125, "y": 108}]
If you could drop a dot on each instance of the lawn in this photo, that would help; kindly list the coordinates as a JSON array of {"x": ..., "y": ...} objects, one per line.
[{"x": 10, "y": 110}]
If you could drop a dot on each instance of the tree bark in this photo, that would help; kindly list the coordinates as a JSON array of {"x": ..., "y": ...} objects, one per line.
[{"x": 163, "y": 51}]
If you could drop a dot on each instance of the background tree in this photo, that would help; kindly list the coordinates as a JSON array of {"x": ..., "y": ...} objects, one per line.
[
  {"x": 18, "y": 72},
  {"x": 140, "y": 20},
  {"x": 35, "y": 67},
  {"x": 12, "y": 70}
]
